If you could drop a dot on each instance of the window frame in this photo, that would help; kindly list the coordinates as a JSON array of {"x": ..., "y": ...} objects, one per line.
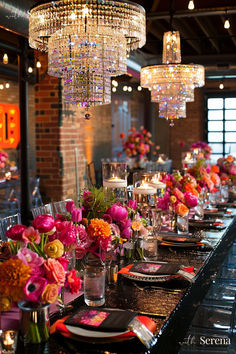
[{"x": 223, "y": 95}]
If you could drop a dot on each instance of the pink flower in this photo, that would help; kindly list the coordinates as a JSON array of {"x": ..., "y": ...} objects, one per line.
[
  {"x": 64, "y": 262},
  {"x": 44, "y": 223},
  {"x": 190, "y": 199},
  {"x": 80, "y": 252},
  {"x": 31, "y": 235},
  {"x": 115, "y": 231},
  {"x": 232, "y": 170},
  {"x": 55, "y": 271},
  {"x": 117, "y": 212},
  {"x": 126, "y": 233},
  {"x": 164, "y": 202},
  {"x": 68, "y": 235},
  {"x": 82, "y": 233},
  {"x": 70, "y": 205},
  {"x": 132, "y": 204},
  {"x": 15, "y": 232},
  {"x": 76, "y": 215},
  {"x": 34, "y": 287},
  {"x": 31, "y": 259}
]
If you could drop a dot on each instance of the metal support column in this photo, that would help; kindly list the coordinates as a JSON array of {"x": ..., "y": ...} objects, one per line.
[{"x": 24, "y": 144}]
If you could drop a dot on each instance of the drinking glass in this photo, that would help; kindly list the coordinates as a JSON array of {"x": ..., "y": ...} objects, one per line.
[
  {"x": 150, "y": 247},
  {"x": 182, "y": 224},
  {"x": 94, "y": 286}
]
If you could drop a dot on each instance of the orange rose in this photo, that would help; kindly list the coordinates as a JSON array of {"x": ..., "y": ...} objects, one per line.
[
  {"x": 55, "y": 271},
  {"x": 49, "y": 294},
  {"x": 215, "y": 169},
  {"x": 181, "y": 209},
  {"x": 189, "y": 188}
]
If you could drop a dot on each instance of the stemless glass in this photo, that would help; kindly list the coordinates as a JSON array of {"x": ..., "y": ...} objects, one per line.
[
  {"x": 182, "y": 224},
  {"x": 94, "y": 285},
  {"x": 150, "y": 247}
]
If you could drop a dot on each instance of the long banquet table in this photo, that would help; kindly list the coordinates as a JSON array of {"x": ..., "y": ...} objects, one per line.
[{"x": 171, "y": 305}]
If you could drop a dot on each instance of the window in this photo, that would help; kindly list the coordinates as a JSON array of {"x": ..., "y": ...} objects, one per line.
[{"x": 221, "y": 125}]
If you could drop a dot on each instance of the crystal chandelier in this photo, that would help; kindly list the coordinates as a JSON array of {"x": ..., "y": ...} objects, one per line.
[
  {"x": 172, "y": 84},
  {"x": 87, "y": 43}
]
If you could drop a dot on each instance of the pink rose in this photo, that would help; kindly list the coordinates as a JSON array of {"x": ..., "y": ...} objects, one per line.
[
  {"x": 68, "y": 235},
  {"x": 64, "y": 262},
  {"x": 55, "y": 271},
  {"x": 15, "y": 232},
  {"x": 70, "y": 205},
  {"x": 44, "y": 223},
  {"x": 132, "y": 204},
  {"x": 117, "y": 212},
  {"x": 190, "y": 199}
]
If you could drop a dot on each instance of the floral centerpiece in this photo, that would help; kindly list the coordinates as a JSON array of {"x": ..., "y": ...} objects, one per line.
[
  {"x": 204, "y": 148},
  {"x": 181, "y": 194},
  {"x": 137, "y": 144},
  {"x": 207, "y": 176},
  {"x": 227, "y": 169},
  {"x": 34, "y": 263}
]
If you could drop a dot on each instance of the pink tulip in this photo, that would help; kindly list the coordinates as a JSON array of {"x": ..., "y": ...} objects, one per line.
[
  {"x": 76, "y": 215},
  {"x": 70, "y": 205},
  {"x": 132, "y": 204},
  {"x": 117, "y": 212}
]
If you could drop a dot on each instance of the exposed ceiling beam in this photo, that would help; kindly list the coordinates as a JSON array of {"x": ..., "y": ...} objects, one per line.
[
  {"x": 193, "y": 13},
  {"x": 186, "y": 31},
  {"x": 157, "y": 30},
  {"x": 207, "y": 28},
  {"x": 154, "y": 8},
  {"x": 229, "y": 31}
]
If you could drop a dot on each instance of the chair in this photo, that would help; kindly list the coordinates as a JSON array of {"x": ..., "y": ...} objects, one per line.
[
  {"x": 7, "y": 222},
  {"x": 44, "y": 209},
  {"x": 91, "y": 173},
  {"x": 60, "y": 207}
]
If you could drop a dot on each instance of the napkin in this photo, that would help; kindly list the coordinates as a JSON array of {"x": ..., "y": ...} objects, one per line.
[{"x": 60, "y": 327}]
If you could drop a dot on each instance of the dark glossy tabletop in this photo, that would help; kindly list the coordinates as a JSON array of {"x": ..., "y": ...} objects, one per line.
[{"x": 171, "y": 305}]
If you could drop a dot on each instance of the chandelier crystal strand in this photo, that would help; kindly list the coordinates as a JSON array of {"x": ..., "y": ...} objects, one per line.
[
  {"x": 172, "y": 84},
  {"x": 87, "y": 41}
]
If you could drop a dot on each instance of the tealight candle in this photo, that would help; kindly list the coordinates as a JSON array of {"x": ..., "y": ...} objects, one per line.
[
  {"x": 115, "y": 182},
  {"x": 160, "y": 160},
  {"x": 145, "y": 188},
  {"x": 155, "y": 182}
]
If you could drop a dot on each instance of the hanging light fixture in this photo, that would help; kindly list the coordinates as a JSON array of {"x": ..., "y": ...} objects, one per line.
[
  {"x": 172, "y": 83},
  {"x": 191, "y": 5},
  {"x": 87, "y": 39},
  {"x": 226, "y": 23}
]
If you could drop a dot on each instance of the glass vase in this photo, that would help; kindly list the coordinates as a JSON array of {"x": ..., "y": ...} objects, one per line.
[
  {"x": 34, "y": 322},
  {"x": 94, "y": 281}
]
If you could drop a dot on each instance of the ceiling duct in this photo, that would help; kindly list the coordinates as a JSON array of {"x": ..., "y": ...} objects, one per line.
[{"x": 14, "y": 15}]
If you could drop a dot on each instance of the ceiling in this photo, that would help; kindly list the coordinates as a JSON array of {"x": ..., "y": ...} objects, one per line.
[{"x": 204, "y": 40}]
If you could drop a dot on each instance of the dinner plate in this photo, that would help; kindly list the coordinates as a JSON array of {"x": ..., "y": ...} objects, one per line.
[
  {"x": 178, "y": 244},
  {"x": 147, "y": 278},
  {"x": 78, "y": 331}
]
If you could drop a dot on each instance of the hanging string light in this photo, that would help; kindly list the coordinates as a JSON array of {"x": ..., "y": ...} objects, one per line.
[
  {"x": 191, "y": 5},
  {"x": 172, "y": 83},
  {"x": 226, "y": 23},
  {"x": 89, "y": 39}
]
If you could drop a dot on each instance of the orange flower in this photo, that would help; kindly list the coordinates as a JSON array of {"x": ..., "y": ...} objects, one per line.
[
  {"x": 215, "y": 169},
  {"x": 13, "y": 276},
  {"x": 136, "y": 225},
  {"x": 230, "y": 158},
  {"x": 99, "y": 228},
  {"x": 50, "y": 294},
  {"x": 173, "y": 199},
  {"x": 189, "y": 188},
  {"x": 122, "y": 135},
  {"x": 181, "y": 209}
]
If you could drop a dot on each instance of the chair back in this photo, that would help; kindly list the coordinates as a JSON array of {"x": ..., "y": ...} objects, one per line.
[
  {"x": 60, "y": 207},
  {"x": 44, "y": 209},
  {"x": 7, "y": 222}
]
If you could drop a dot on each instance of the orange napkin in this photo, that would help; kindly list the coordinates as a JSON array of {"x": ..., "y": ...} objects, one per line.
[{"x": 60, "y": 327}]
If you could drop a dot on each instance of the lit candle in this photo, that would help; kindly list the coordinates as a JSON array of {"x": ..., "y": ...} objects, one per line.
[
  {"x": 115, "y": 182},
  {"x": 160, "y": 160},
  {"x": 195, "y": 151},
  {"x": 188, "y": 158},
  {"x": 155, "y": 182},
  {"x": 145, "y": 188}
]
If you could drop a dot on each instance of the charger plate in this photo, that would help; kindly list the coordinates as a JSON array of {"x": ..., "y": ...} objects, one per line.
[
  {"x": 82, "y": 332},
  {"x": 147, "y": 278}
]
